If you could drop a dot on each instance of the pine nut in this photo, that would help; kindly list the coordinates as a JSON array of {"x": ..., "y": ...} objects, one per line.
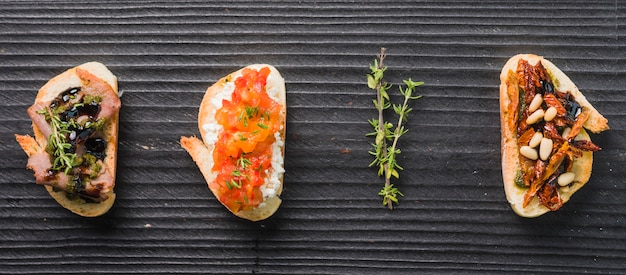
[
  {"x": 535, "y": 103},
  {"x": 535, "y": 140},
  {"x": 528, "y": 152},
  {"x": 550, "y": 114},
  {"x": 545, "y": 149},
  {"x": 566, "y": 178},
  {"x": 566, "y": 132},
  {"x": 534, "y": 117}
]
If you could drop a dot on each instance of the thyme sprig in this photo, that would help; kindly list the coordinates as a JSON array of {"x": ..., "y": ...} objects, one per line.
[
  {"x": 58, "y": 145},
  {"x": 386, "y": 149}
]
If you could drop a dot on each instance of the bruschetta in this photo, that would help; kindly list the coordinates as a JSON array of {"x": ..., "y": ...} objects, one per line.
[
  {"x": 74, "y": 149},
  {"x": 547, "y": 153},
  {"x": 241, "y": 155}
]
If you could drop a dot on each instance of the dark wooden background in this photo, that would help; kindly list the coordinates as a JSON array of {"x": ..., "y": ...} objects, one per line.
[{"x": 454, "y": 217}]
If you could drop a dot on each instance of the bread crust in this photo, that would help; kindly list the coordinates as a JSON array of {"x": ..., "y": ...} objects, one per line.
[
  {"x": 75, "y": 77},
  {"x": 200, "y": 150},
  {"x": 509, "y": 147}
]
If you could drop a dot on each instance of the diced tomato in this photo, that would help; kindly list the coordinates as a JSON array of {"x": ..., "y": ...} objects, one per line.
[{"x": 243, "y": 151}]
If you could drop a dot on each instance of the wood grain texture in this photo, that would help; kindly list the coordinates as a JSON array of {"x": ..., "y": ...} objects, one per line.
[{"x": 454, "y": 217}]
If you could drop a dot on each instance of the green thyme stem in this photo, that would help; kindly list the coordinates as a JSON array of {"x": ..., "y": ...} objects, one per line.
[
  {"x": 402, "y": 112},
  {"x": 385, "y": 157},
  {"x": 381, "y": 108},
  {"x": 62, "y": 160},
  {"x": 396, "y": 136}
]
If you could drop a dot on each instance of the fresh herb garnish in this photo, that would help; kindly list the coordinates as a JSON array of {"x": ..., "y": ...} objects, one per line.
[
  {"x": 64, "y": 128},
  {"x": 236, "y": 173},
  {"x": 243, "y": 162},
  {"x": 249, "y": 112},
  {"x": 242, "y": 117},
  {"x": 386, "y": 134},
  {"x": 58, "y": 146},
  {"x": 252, "y": 111},
  {"x": 232, "y": 184}
]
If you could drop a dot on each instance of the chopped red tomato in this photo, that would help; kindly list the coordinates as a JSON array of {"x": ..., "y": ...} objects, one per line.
[{"x": 243, "y": 152}]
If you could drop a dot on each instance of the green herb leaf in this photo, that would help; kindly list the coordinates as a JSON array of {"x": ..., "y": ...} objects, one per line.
[
  {"x": 236, "y": 173},
  {"x": 371, "y": 82},
  {"x": 243, "y": 162},
  {"x": 390, "y": 194},
  {"x": 57, "y": 147},
  {"x": 385, "y": 150}
]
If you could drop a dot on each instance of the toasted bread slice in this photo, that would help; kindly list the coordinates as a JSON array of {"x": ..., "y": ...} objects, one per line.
[
  {"x": 202, "y": 150},
  {"x": 510, "y": 102},
  {"x": 98, "y": 196}
]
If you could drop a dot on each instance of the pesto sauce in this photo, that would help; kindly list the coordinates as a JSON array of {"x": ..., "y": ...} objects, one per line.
[
  {"x": 89, "y": 99},
  {"x": 519, "y": 179},
  {"x": 97, "y": 126},
  {"x": 555, "y": 81},
  {"x": 94, "y": 167}
]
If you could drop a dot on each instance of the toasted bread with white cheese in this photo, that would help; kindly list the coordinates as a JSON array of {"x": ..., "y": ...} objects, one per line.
[{"x": 236, "y": 181}]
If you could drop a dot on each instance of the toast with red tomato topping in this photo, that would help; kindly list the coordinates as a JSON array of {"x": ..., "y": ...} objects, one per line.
[
  {"x": 547, "y": 154},
  {"x": 241, "y": 155},
  {"x": 74, "y": 149}
]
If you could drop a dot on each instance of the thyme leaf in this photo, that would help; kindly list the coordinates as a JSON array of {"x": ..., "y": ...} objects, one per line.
[
  {"x": 58, "y": 146},
  {"x": 243, "y": 162},
  {"x": 386, "y": 135}
]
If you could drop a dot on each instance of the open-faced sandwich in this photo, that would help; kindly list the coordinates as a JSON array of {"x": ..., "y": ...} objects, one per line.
[
  {"x": 74, "y": 149},
  {"x": 242, "y": 123},
  {"x": 547, "y": 154}
]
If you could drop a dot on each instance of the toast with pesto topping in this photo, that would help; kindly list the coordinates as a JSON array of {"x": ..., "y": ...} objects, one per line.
[{"x": 547, "y": 154}]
